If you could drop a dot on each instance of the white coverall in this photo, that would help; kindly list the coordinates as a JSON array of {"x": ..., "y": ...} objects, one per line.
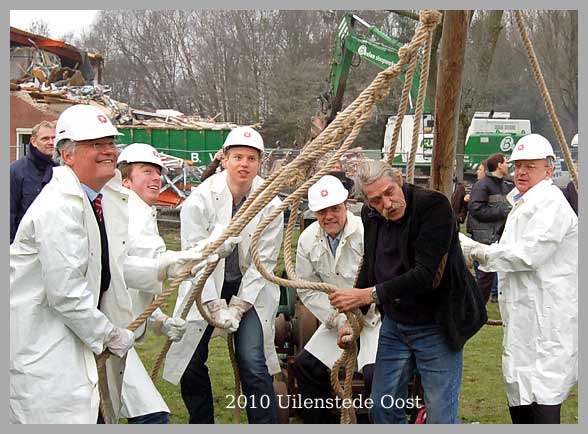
[
  {"x": 55, "y": 325},
  {"x": 315, "y": 262},
  {"x": 139, "y": 394},
  {"x": 537, "y": 264},
  {"x": 208, "y": 205}
]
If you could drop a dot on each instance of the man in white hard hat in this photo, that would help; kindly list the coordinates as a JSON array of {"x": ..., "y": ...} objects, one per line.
[
  {"x": 141, "y": 168},
  {"x": 537, "y": 264},
  {"x": 252, "y": 300},
  {"x": 330, "y": 251},
  {"x": 68, "y": 300}
]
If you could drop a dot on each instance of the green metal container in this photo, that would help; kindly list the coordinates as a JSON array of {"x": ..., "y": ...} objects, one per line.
[{"x": 198, "y": 146}]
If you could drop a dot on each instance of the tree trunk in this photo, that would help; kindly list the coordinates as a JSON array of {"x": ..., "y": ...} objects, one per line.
[{"x": 449, "y": 79}]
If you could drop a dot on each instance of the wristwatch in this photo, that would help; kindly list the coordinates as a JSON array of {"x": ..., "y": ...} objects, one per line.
[{"x": 375, "y": 298}]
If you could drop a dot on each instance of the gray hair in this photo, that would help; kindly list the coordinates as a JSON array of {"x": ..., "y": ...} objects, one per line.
[
  {"x": 550, "y": 162},
  {"x": 63, "y": 145},
  {"x": 369, "y": 171}
]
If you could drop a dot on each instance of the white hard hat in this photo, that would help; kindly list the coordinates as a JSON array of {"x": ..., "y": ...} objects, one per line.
[
  {"x": 244, "y": 136},
  {"x": 326, "y": 192},
  {"x": 83, "y": 122},
  {"x": 141, "y": 153},
  {"x": 532, "y": 147}
]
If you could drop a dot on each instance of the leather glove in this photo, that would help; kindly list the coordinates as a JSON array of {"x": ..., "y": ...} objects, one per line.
[
  {"x": 119, "y": 341},
  {"x": 172, "y": 262},
  {"x": 219, "y": 312},
  {"x": 237, "y": 307},
  {"x": 230, "y": 243},
  {"x": 174, "y": 328}
]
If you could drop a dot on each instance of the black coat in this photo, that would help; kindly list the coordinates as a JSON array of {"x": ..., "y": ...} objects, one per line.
[
  {"x": 431, "y": 253},
  {"x": 488, "y": 209},
  {"x": 28, "y": 176}
]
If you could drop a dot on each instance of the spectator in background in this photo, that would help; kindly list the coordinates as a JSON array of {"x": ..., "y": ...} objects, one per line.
[
  {"x": 571, "y": 193},
  {"x": 488, "y": 209},
  {"x": 338, "y": 172},
  {"x": 31, "y": 173},
  {"x": 212, "y": 166},
  {"x": 458, "y": 196}
]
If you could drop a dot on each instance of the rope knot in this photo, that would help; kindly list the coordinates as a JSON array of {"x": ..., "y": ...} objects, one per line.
[
  {"x": 404, "y": 53},
  {"x": 430, "y": 18}
]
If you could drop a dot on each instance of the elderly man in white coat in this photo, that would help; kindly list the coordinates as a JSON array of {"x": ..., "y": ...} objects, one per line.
[
  {"x": 68, "y": 300},
  {"x": 330, "y": 251},
  {"x": 537, "y": 264},
  {"x": 252, "y": 300},
  {"x": 148, "y": 263}
]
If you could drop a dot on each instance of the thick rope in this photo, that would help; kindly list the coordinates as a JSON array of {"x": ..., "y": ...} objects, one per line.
[
  {"x": 546, "y": 97},
  {"x": 347, "y": 122},
  {"x": 416, "y": 126},
  {"x": 233, "y": 357},
  {"x": 404, "y": 99},
  {"x": 494, "y": 322},
  {"x": 348, "y": 415}
]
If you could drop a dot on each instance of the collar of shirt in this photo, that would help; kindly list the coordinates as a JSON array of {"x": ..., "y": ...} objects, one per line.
[
  {"x": 91, "y": 193},
  {"x": 238, "y": 205},
  {"x": 334, "y": 242}
]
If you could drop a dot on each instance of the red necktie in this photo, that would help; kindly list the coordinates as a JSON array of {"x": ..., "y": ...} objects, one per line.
[{"x": 98, "y": 206}]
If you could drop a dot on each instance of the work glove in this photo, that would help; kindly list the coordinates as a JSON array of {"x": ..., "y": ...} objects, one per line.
[
  {"x": 472, "y": 250},
  {"x": 219, "y": 312},
  {"x": 119, "y": 341},
  {"x": 172, "y": 262},
  {"x": 174, "y": 327},
  {"x": 335, "y": 320},
  {"x": 345, "y": 335},
  {"x": 237, "y": 307},
  {"x": 230, "y": 243}
]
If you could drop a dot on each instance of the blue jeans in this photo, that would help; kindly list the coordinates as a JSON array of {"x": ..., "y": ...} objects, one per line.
[
  {"x": 400, "y": 347},
  {"x": 255, "y": 378},
  {"x": 160, "y": 417}
]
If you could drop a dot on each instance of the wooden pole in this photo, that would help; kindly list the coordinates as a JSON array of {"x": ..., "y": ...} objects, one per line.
[{"x": 449, "y": 80}]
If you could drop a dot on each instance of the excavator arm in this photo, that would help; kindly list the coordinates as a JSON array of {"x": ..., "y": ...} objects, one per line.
[{"x": 382, "y": 53}]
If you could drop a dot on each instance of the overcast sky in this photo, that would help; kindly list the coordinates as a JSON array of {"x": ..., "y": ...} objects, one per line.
[{"x": 60, "y": 22}]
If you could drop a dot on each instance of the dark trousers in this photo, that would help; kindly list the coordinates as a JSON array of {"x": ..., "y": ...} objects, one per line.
[
  {"x": 255, "y": 379},
  {"x": 314, "y": 381},
  {"x": 535, "y": 413},
  {"x": 486, "y": 282},
  {"x": 161, "y": 417}
]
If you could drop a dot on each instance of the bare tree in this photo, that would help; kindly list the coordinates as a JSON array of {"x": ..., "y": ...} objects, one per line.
[{"x": 40, "y": 27}]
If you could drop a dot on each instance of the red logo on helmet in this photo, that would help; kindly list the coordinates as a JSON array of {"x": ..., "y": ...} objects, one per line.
[
  {"x": 102, "y": 119},
  {"x": 521, "y": 147},
  {"x": 247, "y": 134},
  {"x": 324, "y": 193}
]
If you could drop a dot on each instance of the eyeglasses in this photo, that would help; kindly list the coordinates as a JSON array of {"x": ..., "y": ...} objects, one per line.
[
  {"x": 527, "y": 167},
  {"x": 100, "y": 147}
]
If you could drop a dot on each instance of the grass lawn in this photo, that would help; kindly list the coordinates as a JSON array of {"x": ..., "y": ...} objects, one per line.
[{"x": 482, "y": 400}]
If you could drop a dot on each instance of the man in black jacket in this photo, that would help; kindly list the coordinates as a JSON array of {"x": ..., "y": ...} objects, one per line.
[
  {"x": 488, "y": 210},
  {"x": 414, "y": 270},
  {"x": 30, "y": 174}
]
